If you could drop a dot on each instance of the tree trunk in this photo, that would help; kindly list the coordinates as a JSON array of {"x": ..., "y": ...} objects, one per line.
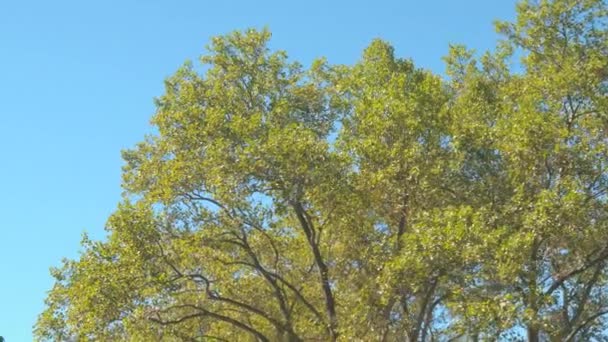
[{"x": 533, "y": 334}]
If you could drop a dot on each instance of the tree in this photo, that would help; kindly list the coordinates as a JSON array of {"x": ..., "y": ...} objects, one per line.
[
  {"x": 375, "y": 202},
  {"x": 546, "y": 133}
]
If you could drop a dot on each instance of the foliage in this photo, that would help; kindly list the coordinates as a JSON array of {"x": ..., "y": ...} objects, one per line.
[{"x": 372, "y": 202}]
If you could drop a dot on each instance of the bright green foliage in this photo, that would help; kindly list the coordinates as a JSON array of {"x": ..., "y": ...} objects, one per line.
[{"x": 372, "y": 202}]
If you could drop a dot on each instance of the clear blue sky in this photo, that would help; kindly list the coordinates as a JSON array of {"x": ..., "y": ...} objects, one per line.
[{"x": 77, "y": 79}]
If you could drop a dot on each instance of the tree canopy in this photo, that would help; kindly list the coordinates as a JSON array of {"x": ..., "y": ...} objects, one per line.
[{"x": 368, "y": 202}]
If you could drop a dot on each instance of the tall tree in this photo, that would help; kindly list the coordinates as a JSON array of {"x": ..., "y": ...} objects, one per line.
[{"x": 374, "y": 202}]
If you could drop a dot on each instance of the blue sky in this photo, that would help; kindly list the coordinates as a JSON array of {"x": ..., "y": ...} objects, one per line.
[{"x": 77, "y": 80}]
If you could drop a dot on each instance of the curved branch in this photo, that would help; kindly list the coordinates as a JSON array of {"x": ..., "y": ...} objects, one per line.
[
  {"x": 206, "y": 313},
  {"x": 603, "y": 256},
  {"x": 586, "y": 322},
  {"x": 290, "y": 286}
]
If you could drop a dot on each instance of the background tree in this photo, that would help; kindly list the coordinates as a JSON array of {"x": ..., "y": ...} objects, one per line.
[{"x": 544, "y": 127}]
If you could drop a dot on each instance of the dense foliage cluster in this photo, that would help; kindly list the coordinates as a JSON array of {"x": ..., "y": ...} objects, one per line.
[{"x": 372, "y": 202}]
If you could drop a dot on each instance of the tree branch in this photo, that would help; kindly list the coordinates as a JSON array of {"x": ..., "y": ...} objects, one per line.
[{"x": 330, "y": 304}]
